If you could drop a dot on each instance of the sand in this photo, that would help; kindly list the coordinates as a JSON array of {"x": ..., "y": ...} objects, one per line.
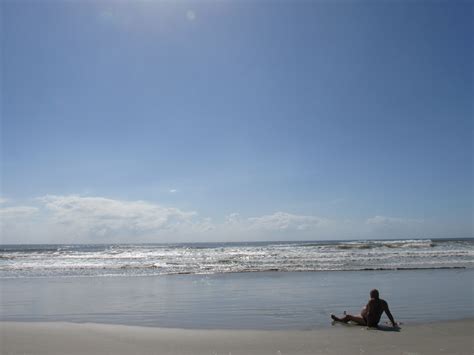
[{"x": 448, "y": 337}]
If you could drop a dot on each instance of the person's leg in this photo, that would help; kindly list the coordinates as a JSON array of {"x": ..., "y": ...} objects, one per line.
[
  {"x": 356, "y": 319},
  {"x": 337, "y": 319}
]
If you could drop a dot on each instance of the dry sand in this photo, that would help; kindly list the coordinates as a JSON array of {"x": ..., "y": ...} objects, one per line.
[{"x": 453, "y": 337}]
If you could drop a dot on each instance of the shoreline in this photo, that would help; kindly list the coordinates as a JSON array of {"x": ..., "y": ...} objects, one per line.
[
  {"x": 444, "y": 337},
  {"x": 204, "y": 274},
  {"x": 384, "y": 325}
]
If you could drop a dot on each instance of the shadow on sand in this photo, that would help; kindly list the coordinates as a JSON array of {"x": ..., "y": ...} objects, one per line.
[
  {"x": 382, "y": 328},
  {"x": 385, "y": 328}
]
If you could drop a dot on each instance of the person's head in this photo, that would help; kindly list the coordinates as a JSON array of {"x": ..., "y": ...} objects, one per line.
[{"x": 374, "y": 293}]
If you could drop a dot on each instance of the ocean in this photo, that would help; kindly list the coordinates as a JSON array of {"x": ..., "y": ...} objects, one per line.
[
  {"x": 216, "y": 258},
  {"x": 271, "y": 285}
]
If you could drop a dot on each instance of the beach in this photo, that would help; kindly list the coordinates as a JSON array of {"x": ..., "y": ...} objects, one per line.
[
  {"x": 448, "y": 337},
  {"x": 248, "y": 313},
  {"x": 81, "y": 300},
  {"x": 236, "y": 177}
]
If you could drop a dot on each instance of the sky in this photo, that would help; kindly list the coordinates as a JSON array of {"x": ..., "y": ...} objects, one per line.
[{"x": 171, "y": 121}]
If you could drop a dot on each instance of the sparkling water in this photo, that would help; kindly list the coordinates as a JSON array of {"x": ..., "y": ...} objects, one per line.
[{"x": 215, "y": 258}]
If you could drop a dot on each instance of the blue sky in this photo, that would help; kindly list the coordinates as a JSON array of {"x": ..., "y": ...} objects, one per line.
[{"x": 236, "y": 120}]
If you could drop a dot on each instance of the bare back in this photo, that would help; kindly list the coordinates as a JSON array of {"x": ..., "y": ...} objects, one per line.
[{"x": 373, "y": 311}]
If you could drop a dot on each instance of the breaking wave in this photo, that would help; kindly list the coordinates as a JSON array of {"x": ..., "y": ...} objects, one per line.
[{"x": 212, "y": 258}]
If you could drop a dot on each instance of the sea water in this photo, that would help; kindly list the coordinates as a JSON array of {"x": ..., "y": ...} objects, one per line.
[
  {"x": 230, "y": 285},
  {"x": 216, "y": 258}
]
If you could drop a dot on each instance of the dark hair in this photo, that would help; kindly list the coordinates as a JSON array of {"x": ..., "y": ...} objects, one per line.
[{"x": 374, "y": 293}]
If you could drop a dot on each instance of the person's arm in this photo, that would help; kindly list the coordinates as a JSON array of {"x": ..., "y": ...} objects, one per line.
[{"x": 389, "y": 315}]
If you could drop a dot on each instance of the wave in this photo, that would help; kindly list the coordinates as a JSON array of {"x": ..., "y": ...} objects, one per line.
[
  {"x": 146, "y": 266},
  {"x": 96, "y": 260},
  {"x": 154, "y": 272},
  {"x": 23, "y": 249},
  {"x": 393, "y": 244},
  {"x": 113, "y": 249}
]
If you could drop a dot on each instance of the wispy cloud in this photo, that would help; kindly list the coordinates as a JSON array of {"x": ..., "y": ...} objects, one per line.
[
  {"x": 172, "y": 191},
  {"x": 3, "y": 200}
]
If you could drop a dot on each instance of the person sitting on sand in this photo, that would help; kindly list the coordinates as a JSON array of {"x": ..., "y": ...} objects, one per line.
[{"x": 371, "y": 313}]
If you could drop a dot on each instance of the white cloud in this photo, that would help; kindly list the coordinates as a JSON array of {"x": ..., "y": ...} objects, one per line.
[
  {"x": 203, "y": 226},
  {"x": 233, "y": 218},
  {"x": 17, "y": 212},
  {"x": 18, "y": 224},
  {"x": 172, "y": 191},
  {"x": 279, "y": 225},
  {"x": 3, "y": 200},
  {"x": 76, "y": 218},
  {"x": 103, "y": 216},
  {"x": 100, "y": 218}
]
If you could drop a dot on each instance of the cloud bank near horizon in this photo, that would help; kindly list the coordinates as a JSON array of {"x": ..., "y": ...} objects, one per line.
[{"x": 86, "y": 219}]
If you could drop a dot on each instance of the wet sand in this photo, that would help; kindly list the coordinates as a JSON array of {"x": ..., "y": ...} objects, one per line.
[{"x": 447, "y": 337}]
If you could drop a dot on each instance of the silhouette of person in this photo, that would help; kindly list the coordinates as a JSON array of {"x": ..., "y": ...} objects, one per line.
[{"x": 370, "y": 314}]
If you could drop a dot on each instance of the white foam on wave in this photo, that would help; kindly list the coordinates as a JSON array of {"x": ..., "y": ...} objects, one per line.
[{"x": 147, "y": 259}]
